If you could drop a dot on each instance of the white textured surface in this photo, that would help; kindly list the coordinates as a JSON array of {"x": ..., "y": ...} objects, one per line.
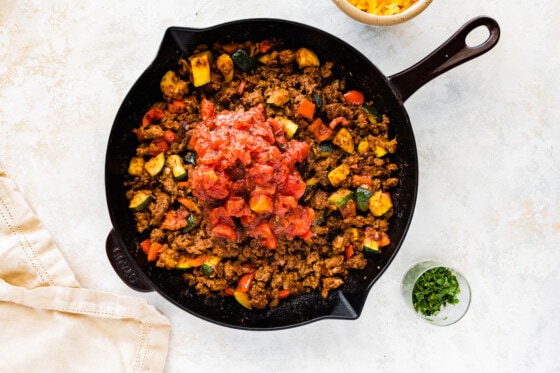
[{"x": 488, "y": 137}]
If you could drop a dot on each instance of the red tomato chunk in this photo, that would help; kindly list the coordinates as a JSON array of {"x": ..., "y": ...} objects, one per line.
[{"x": 246, "y": 169}]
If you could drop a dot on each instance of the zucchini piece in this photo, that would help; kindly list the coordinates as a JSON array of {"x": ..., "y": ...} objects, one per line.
[
  {"x": 210, "y": 265},
  {"x": 200, "y": 68},
  {"x": 340, "y": 198},
  {"x": 136, "y": 166},
  {"x": 176, "y": 163},
  {"x": 278, "y": 97},
  {"x": 243, "y": 60},
  {"x": 339, "y": 174},
  {"x": 372, "y": 113},
  {"x": 353, "y": 234},
  {"x": 190, "y": 158},
  {"x": 362, "y": 196},
  {"x": 155, "y": 164},
  {"x": 224, "y": 63},
  {"x": 320, "y": 217},
  {"x": 370, "y": 246},
  {"x": 192, "y": 222},
  {"x": 318, "y": 101},
  {"x": 323, "y": 150},
  {"x": 344, "y": 140},
  {"x": 380, "y": 203},
  {"x": 310, "y": 186},
  {"x": 289, "y": 126},
  {"x": 140, "y": 200},
  {"x": 306, "y": 58}
]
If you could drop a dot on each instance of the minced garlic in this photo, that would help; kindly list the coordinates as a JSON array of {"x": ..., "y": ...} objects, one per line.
[{"x": 382, "y": 7}]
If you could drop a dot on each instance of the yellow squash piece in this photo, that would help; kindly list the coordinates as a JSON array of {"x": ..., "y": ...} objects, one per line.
[
  {"x": 155, "y": 164},
  {"x": 344, "y": 140},
  {"x": 380, "y": 203},
  {"x": 172, "y": 86},
  {"x": 306, "y": 58},
  {"x": 224, "y": 63},
  {"x": 289, "y": 126},
  {"x": 339, "y": 174},
  {"x": 136, "y": 166},
  {"x": 200, "y": 68},
  {"x": 243, "y": 299}
]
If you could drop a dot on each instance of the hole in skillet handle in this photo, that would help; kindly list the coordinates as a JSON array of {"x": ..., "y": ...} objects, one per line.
[
  {"x": 123, "y": 266},
  {"x": 453, "y": 52}
]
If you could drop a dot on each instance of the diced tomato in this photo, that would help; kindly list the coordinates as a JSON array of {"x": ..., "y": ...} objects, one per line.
[
  {"x": 319, "y": 130},
  {"x": 206, "y": 109},
  {"x": 293, "y": 186},
  {"x": 283, "y": 204},
  {"x": 245, "y": 282},
  {"x": 354, "y": 97},
  {"x": 169, "y": 136},
  {"x": 306, "y": 109},
  {"x": 242, "y": 154},
  {"x": 261, "y": 174},
  {"x": 224, "y": 231},
  {"x": 152, "y": 116},
  {"x": 307, "y": 235},
  {"x": 157, "y": 146},
  {"x": 237, "y": 207},
  {"x": 209, "y": 185},
  {"x": 220, "y": 216}
]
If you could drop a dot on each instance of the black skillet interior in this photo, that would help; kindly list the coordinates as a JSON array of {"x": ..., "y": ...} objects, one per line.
[{"x": 346, "y": 302}]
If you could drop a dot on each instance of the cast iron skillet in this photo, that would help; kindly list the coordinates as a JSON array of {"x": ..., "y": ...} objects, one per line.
[{"x": 388, "y": 93}]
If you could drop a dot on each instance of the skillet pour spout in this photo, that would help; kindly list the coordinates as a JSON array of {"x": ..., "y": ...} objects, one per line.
[{"x": 389, "y": 94}]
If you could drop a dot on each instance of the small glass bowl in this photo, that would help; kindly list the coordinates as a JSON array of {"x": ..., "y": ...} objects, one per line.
[{"x": 448, "y": 314}]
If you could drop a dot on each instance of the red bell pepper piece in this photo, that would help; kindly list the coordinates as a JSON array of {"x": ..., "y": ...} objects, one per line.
[
  {"x": 152, "y": 116},
  {"x": 306, "y": 109},
  {"x": 354, "y": 97},
  {"x": 245, "y": 282}
]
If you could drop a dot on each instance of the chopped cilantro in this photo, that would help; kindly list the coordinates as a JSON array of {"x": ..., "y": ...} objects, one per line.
[{"x": 435, "y": 288}]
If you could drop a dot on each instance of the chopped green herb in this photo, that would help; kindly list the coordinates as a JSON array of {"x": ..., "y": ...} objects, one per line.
[{"x": 436, "y": 288}]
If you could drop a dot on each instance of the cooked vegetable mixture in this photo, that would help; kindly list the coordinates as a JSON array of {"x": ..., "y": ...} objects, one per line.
[{"x": 259, "y": 175}]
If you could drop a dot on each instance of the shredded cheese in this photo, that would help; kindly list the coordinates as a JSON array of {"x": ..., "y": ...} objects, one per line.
[{"x": 382, "y": 7}]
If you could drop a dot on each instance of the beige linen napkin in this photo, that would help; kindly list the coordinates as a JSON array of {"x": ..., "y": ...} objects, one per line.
[{"x": 48, "y": 323}]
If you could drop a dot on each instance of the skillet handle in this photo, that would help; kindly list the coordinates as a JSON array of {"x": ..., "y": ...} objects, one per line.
[
  {"x": 122, "y": 265},
  {"x": 453, "y": 52}
]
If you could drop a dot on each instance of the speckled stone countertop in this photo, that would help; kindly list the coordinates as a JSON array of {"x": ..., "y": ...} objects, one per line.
[{"x": 487, "y": 132}]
